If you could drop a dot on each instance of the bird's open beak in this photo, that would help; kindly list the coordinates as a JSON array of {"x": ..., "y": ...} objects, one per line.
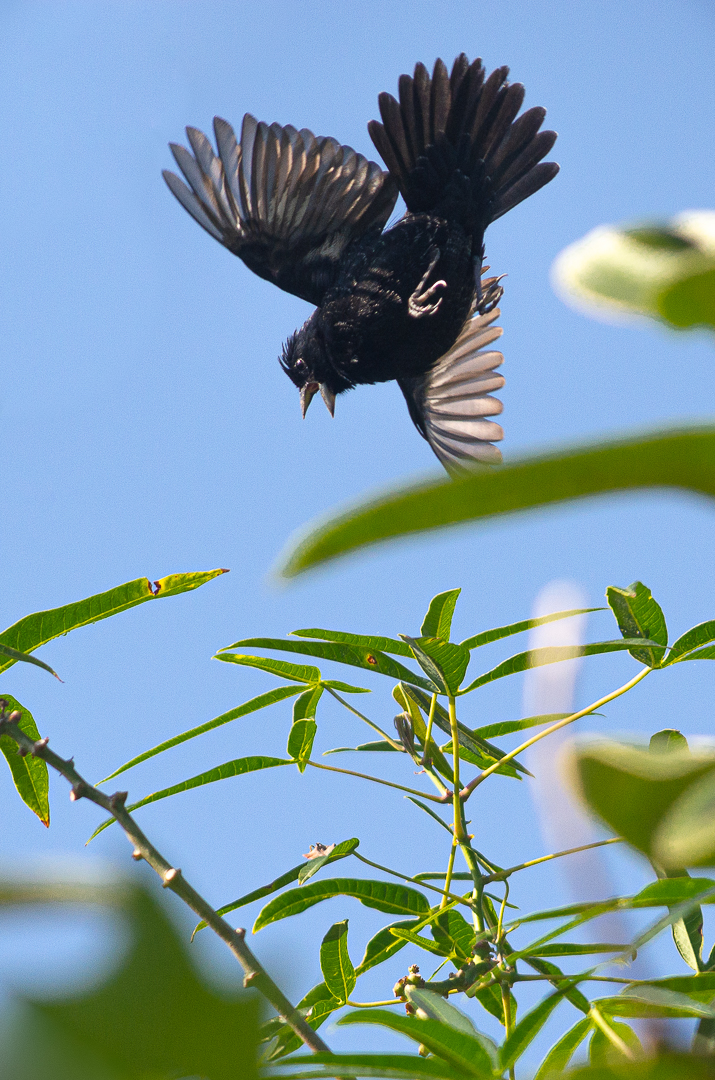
[{"x": 309, "y": 391}]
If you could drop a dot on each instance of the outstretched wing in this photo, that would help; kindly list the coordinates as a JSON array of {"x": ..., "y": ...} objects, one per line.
[
  {"x": 284, "y": 201},
  {"x": 450, "y": 404},
  {"x": 464, "y": 121}
]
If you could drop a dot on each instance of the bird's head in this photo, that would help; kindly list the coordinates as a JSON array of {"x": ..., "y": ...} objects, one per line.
[{"x": 306, "y": 363}]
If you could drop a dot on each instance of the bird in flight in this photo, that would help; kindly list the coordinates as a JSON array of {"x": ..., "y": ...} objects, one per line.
[{"x": 409, "y": 302}]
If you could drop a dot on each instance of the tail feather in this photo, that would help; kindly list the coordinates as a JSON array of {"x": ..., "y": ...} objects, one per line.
[{"x": 462, "y": 122}]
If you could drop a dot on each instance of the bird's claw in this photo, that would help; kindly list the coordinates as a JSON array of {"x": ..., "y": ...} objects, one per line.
[
  {"x": 488, "y": 298},
  {"x": 419, "y": 304}
]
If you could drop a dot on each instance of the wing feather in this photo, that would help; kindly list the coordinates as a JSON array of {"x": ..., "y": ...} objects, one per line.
[
  {"x": 284, "y": 201},
  {"x": 450, "y": 405}
]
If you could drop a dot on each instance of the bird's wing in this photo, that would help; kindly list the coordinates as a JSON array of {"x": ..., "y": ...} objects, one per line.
[
  {"x": 450, "y": 404},
  {"x": 468, "y": 122},
  {"x": 284, "y": 201}
]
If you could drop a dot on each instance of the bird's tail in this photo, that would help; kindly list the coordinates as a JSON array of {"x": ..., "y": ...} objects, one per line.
[{"x": 456, "y": 135}]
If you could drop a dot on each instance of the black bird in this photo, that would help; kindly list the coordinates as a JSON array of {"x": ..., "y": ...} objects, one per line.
[{"x": 408, "y": 303}]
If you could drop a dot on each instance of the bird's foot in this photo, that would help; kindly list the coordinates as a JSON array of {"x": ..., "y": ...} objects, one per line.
[
  {"x": 420, "y": 303},
  {"x": 490, "y": 293}
]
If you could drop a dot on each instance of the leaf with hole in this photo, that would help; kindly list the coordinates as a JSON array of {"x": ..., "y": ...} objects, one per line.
[
  {"x": 353, "y": 655},
  {"x": 34, "y": 630}
]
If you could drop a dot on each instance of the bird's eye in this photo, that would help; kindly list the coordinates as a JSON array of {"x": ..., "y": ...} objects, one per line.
[{"x": 299, "y": 365}]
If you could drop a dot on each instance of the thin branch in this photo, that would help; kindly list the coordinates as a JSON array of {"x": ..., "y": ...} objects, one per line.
[
  {"x": 377, "y": 780},
  {"x": 171, "y": 876},
  {"x": 467, "y": 791},
  {"x": 375, "y": 727},
  {"x": 504, "y": 874}
]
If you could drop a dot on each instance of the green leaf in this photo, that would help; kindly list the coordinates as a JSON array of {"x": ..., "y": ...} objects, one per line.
[
  {"x": 154, "y": 1016},
  {"x": 639, "y": 616},
  {"x": 528, "y": 1028},
  {"x": 633, "y": 789},
  {"x": 382, "y": 895},
  {"x": 427, "y": 810},
  {"x": 664, "y": 270},
  {"x": 690, "y": 302},
  {"x": 459, "y": 1049},
  {"x": 29, "y": 773},
  {"x": 341, "y": 850},
  {"x": 556, "y": 975},
  {"x": 685, "y": 835},
  {"x": 335, "y": 962},
  {"x": 664, "y": 893},
  {"x": 444, "y": 663},
  {"x": 378, "y": 746},
  {"x": 550, "y": 654},
  {"x": 667, "y": 740},
  {"x": 14, "y": 654},
  {"x": 431, "y": 1006},
  {"x": 354, "y": 655},
  {"x": 602, "y": 1052},
  {"x": 568, "y": 948},
  {"x": 438, "y": 620},
  {"x": 420, "y": 942},
  {"x": 453, "y": 931},
  {"x": 699, "y": 987},
  {"x": 317, "y": 1005},
  {"x": 280, "y": 693},
  {"x": 297, "y": 672},
  {"x": 229, "y": 769},
  {"x": 383, "y": 945},
  {"x": 346, "y": 688},
  {"x": 648, "y": 1000},
  {"x": 678, "y": 458},
  {"x": 364, "y": 641},
  {"x": 35, "y": 630},
  {"x": 300, "y": 742},
  {"x": 558, "y": 1057},
  {"x": 689, "y": 641},
  {"x": 499, "y": 632},
  {"x": 304, "y": 708},
  {"x": 506, "y": 727},
  {"x": 390, "y": 1066}
]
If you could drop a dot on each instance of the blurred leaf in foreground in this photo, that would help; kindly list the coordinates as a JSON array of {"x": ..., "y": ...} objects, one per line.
[
  {"x": 153, "y": 1018},
  {"x": 665, "y": 271}
]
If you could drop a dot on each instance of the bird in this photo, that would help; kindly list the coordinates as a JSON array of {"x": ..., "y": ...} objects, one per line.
[{"x": 406, "y": 302}]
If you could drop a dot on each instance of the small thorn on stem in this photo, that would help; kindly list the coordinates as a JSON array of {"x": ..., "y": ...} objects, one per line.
[
  {"x": 118, "y": 799},
  {"x": 171, "y": 875},
  {"x": 137, "y": 855},
  {"x": 250, "y": 979},
  {"x": 22, "y": 751},
  {"x": 241, "y": 932},
  {"x": 78, "y": 791},
  {"x": 39, "y": 745}
]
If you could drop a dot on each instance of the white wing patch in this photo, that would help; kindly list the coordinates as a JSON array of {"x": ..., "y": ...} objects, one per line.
[{"x": 457, "y": 398}]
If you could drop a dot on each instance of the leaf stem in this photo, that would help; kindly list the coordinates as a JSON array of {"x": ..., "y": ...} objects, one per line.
[
  {"x": 458, "y": 827},
  {"x": 467, "y": 791},
  {"x": 451, "y": 897},
  {"x": 373, "y": 1004},
  {"x": 171, "y": 877},
  {"x": 375, "y": 727},
  {"x": 376, "y": 780},
  {"x": 430, "y": 721},
  {"x": 504, "y": 874},
  {"x": 450, "y": 870}
]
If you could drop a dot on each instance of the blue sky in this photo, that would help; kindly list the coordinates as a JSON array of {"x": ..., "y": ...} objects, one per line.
[{"x": 148, "y": 428}]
